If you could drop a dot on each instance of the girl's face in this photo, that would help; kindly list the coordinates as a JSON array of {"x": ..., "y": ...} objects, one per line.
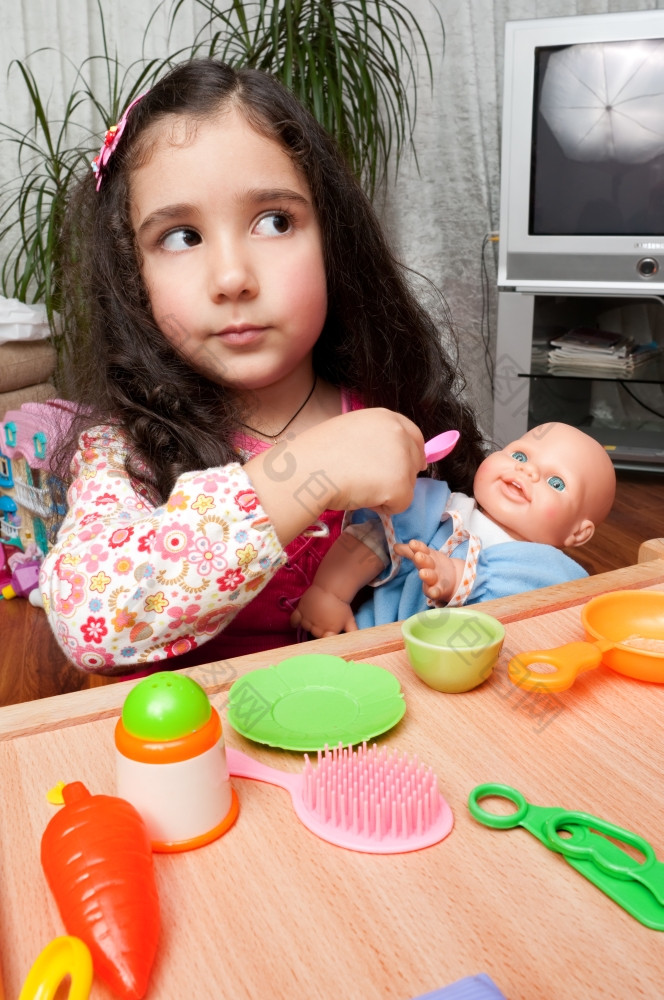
[{"x": 232, "y": 253}]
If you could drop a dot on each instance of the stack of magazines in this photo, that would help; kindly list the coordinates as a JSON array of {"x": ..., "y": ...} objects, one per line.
[{"x": 584, "y": 349}]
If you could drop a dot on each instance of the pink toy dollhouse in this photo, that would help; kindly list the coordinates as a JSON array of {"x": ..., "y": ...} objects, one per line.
[{"x": 27, "y": 438}]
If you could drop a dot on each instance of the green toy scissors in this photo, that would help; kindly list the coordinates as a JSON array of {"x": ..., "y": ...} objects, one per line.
[{"x": 636, "y": 884}]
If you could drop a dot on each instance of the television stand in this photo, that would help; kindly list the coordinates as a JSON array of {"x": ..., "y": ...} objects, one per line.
[{"x": 624, "y": 412}]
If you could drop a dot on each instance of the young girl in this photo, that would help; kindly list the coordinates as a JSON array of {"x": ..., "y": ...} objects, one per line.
[{"x": 251, "y": 364}]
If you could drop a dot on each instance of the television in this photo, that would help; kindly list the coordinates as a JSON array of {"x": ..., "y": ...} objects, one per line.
[{"x": 582, "y": 161}]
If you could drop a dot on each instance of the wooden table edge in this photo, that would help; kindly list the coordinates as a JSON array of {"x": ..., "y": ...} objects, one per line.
[{"x": 106, "y": 701}]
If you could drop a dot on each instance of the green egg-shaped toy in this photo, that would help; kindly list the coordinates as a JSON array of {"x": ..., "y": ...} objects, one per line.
[{"x": 165, "y": 706}]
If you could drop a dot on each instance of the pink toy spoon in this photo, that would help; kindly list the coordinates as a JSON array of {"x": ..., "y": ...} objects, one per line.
[{"x": 440, "y": 445}]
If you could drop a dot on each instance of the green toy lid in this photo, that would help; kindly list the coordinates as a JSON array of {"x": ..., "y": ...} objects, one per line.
[{"x": 165, "y": 706}]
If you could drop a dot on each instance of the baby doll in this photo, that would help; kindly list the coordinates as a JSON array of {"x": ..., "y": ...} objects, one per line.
[{"x": 546, "y": 491}]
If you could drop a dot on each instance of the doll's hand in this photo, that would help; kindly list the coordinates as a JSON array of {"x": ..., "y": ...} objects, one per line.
[
  {"x": 437, "y": 571},
  {"x": 322, "y": 613}
]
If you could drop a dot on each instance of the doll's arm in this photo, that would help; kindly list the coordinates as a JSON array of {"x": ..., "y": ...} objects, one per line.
[
  {"x": 440, "y": 574},
  {"x": 324, "y": 608}
]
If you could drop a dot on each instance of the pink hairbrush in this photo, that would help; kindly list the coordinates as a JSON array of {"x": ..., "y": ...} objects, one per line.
[
  {"x": 440, "y": 445},
  {"x": 371, "y": 800}
]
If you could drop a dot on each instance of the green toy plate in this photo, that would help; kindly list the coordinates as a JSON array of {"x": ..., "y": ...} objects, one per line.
[{"x": 310, "y": 701}]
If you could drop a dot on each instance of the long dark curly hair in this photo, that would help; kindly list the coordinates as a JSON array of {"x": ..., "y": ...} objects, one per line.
[{"x": 377, "y": 340}]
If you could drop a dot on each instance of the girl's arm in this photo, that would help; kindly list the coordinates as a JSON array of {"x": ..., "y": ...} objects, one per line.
[
  {"x": 366, "y": 458},
  {"x": 128, "y": 583}
]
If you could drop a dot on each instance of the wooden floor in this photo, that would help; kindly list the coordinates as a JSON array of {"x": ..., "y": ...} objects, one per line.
[
  {"x": 637, "y": 514},
  {"x": 32, "y": 666}
]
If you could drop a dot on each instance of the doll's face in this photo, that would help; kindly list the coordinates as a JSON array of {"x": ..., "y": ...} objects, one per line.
[{"x": 550, "y": 486}]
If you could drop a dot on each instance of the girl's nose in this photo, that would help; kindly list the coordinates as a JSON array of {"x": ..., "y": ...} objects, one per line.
[{"x": 232, "y": 275}]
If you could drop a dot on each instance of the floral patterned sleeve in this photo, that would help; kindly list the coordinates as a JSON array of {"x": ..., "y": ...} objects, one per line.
[{"x": 129, "y": 583}]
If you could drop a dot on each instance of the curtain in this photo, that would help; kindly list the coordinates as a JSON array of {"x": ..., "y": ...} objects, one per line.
[
  {"x": 439, "y": 215},
  {"x": 443, "y": 204}
]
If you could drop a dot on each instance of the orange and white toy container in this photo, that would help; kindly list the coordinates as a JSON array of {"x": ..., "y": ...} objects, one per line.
[{"x": 171, "y": 763}]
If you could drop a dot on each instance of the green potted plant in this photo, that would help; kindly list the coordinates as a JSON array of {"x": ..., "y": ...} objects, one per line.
[{"x": 351, "y": 62}]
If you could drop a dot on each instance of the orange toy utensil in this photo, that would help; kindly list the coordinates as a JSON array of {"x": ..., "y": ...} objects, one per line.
[
  {"x": 624, "y": 631},
  {"x": 98, "y": 862}
]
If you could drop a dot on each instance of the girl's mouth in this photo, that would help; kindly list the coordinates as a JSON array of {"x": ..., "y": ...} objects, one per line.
[{"x": 241, "y": 334}]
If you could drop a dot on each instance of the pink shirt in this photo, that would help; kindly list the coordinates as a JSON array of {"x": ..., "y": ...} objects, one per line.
[{"x": 265, "y": 622}]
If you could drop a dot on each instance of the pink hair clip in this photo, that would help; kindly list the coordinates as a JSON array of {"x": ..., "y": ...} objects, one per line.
[{"x": 109, "y": 145}]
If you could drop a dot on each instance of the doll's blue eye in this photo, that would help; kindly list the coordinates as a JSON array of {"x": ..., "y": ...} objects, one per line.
[
  {"x": 519, "y": 456},
  {"x": 556, "y": 483}
]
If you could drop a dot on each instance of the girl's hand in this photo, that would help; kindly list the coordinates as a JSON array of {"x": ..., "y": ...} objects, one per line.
[
  {"x": 366, "y": 458},
  {"x": 376, "y": 455}
]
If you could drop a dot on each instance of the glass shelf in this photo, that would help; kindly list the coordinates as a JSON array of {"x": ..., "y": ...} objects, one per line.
[
  {"x": 652, "y": 372},
  {"x": 623, "y": 411},
  {"x": 634, "y": 445}
]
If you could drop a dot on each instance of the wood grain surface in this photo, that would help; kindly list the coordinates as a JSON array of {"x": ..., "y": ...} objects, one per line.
[
  {"x": 106, "y": 699},
  {"x": 652, "y": 549},
  {"x": 270, "y": 910}
]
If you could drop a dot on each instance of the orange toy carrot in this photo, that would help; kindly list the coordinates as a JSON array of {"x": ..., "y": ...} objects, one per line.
[{"x": 97, "y": 858}]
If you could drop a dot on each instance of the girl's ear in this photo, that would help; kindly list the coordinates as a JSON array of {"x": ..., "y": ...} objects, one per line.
[{"x": 580, "y": 535}]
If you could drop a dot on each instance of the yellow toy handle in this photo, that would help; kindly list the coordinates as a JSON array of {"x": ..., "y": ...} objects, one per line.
[
  {"x": 569, "y": 660},
  {"x": 63, "y": 956}
]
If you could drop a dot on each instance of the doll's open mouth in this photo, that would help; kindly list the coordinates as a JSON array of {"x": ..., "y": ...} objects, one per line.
[{"x": 515, "y": 490}]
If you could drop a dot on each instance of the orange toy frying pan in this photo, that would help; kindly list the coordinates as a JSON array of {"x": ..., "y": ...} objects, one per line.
[{"x": 624, "y": 631}]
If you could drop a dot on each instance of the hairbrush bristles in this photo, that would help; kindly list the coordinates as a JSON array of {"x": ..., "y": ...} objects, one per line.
[
  {"x": 373, "y": 800},
  {"x": 372, "y": 793}
]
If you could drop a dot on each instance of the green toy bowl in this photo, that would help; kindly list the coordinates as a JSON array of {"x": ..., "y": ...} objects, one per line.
[{"x": 452, "y": 649}]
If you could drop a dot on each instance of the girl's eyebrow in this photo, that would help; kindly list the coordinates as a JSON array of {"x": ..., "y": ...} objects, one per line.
[
  {"x": 256, "y": 196},
  {"x": 165, "y": 214},
  {"x": 275, "y": 194}
]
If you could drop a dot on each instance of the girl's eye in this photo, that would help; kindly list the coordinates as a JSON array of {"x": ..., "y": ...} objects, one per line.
[
  {"x": 556, "y": 483},
  {"x": 274, "y": 224},
  {"x": 519, "y": 456},
  {"x": 180, "y": 239}
]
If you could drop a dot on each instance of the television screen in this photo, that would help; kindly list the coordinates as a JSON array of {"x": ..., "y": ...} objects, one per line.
[
  {"x": 582, "y": 163},
  {"x": 598, "y": 139}
]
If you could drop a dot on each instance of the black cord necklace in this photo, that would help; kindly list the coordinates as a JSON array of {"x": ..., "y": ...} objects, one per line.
[{"x": 273, "y": 437}]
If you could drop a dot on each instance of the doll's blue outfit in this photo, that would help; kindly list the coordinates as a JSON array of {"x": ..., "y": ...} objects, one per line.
[{"x": 495, "y": 564}]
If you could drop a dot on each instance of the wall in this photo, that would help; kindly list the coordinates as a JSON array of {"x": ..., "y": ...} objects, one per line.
[{"x": 438, "y": 211}]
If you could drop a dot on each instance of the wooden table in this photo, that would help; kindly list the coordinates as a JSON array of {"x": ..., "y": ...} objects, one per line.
[{"x": 269, "y": 910}]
